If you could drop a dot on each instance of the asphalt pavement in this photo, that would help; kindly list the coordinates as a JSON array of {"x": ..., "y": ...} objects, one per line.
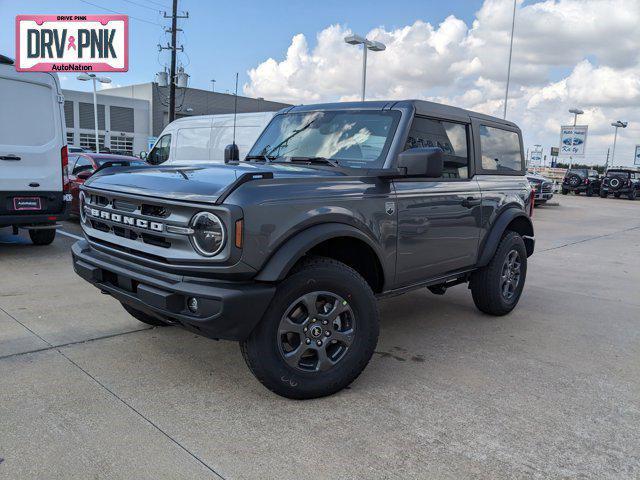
[{"x": 550, "y": 391}]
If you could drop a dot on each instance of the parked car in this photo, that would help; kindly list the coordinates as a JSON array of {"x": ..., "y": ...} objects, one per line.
[
  {"x": 203, "y": 138},
  {"x": 542, "y": 187},
  {"x": 581, "y": 180},
  {"x": 34, "y": 189},
  {"x": 83, "y": 165},
  {"x": 621, "y": 181},
  {"x": 334, "y": 206}
]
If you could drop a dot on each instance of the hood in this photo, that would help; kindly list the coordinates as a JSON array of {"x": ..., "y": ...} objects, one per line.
[{"x": 194, "y": 183}]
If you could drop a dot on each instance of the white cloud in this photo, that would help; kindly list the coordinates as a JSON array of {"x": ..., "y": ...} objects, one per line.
[{"x": 567, "y": 53}]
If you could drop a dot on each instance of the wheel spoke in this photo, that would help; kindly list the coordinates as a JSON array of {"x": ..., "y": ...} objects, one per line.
[
  {"x": 309, "y": 300},
  {"x": 346, "y": 337},
  {"x": 289, "y": 326},
  {"x": 293, "y": 357},
  {"x": 324, "y": 362}
]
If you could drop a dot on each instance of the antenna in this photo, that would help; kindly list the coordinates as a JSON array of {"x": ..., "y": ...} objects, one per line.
[{"x": 235, "y": 110}]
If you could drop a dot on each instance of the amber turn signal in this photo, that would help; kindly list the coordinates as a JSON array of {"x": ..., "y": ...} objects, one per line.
[{"x": 239, "y": 225}]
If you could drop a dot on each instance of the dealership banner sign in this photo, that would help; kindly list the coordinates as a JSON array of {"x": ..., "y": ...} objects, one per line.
[
  {"x": 573, "y": 140},
  {"x": 636, "y": 157},
  {"x": 72, "y": 43}
]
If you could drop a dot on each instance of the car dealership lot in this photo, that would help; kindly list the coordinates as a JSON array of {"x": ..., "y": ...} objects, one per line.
[{"x": 551, "y": 391}]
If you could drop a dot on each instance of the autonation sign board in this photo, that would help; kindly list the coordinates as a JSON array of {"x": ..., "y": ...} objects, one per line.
[
  {"x": 573, "y": 139},
  {"x": 72, "y": 43}
]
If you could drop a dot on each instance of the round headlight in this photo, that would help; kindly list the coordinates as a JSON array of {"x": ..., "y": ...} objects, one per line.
[
  {"x": 81, "y": 204},
  {"x": 208, "y": 234}
]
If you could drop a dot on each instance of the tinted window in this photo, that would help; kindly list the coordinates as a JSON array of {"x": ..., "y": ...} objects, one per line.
[
  {"x": 593, "y": 174},
  {"x": 450, "y": 137},
  {"x": 500, "y": 150},
  {"x": 160, "y": 152},
  {"x": 82, "y": 164}
]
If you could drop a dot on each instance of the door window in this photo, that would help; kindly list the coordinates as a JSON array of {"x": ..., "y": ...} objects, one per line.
[
  {"x": 500, "y": 150},
  {"x": 160, "y": 152},
  {"x": 81, "y": 165},
  {"x": 448, "y": 136}
]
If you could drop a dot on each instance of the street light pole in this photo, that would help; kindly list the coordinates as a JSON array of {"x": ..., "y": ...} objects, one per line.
[
  {"x": 366, "y": 45},
  {"x": 92, "y": 76},
  {"x": 506, "y": 92},
  {"x": 617, "y": 125},
  {"x": 576, "y": 112}
]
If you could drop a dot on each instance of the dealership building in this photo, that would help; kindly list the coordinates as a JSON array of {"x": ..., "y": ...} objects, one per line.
[{"x": 131, "y": 117}]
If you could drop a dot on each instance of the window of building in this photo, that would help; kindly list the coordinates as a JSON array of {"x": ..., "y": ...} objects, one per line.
[
  {"x": 500, "y": 150},
  {"x": 70, "y": 138},
  {"x": 88, "y": 141},
  {"x": 68, "y": 113},
  {"x": 122, "y": 144},
  {"x": 121, "y": 119},
  {"x": 448, "y": 136},
  {"x": 85, "y": 111}
]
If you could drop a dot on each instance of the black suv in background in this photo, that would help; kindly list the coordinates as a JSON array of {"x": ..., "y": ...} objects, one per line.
[
  {"x": 334, "y": 206},
  {"x": 621, "y": 181},
  {"x": 581, "y": 180}
]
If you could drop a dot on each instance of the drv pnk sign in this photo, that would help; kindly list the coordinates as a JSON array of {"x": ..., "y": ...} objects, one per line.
[{"x": 72, "y": 43}]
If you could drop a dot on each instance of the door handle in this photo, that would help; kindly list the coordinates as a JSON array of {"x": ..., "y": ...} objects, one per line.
[
  {"x": 470, "y": 202},
  {"x": 10, "y": 157}
]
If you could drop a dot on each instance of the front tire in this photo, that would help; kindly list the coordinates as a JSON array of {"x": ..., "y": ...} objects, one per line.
[
  {"x": 603, "y": 194},
  {"x": 318, "y": 334},
  {"x": 42, "y": 236},
  {"x": 589, "y": 192},
  {"x": 633, "y": 194},
  {"x": 496, "y": 288}
]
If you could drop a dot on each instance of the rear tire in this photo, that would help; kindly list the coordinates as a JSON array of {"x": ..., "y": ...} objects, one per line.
[
  {"x": 42, "y": 237},
  {"x": 603, "y": 194},
  {"x": 617, "y": 195},
  {"x": 589, "y": 192},
  {"x": 318, "y": 334},
  {"x": 633, "y": 194},
  {"x": 565, "y": 191},
  {"x": 143, "y": 317},
  {"x": 492, "y": 293}
]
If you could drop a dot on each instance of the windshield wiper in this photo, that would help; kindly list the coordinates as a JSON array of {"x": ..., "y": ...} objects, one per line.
[
  {"x": 266, "y": 158},
  {"x": 319, "y": 160}
]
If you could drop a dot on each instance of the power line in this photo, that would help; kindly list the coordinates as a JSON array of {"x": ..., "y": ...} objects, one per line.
[
  {"x": 142, "y": 5},
  {"x": 159, "y": 4},
  {"x": 119, "y": 13}
]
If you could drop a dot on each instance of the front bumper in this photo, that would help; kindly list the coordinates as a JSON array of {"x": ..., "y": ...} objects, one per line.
[{"x": 227, "y": 310}]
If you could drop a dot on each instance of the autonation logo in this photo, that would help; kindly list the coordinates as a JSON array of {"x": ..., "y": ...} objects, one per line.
[{"x": 59, "y": 43}]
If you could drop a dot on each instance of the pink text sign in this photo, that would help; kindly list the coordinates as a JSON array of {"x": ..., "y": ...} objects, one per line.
[{"x": 72, "y": 43}]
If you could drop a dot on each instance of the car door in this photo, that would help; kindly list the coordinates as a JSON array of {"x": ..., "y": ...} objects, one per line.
[{"x": 438, "y": 218}]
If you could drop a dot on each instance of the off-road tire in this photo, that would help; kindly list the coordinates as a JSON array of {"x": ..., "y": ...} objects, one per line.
[
  {"x": 486, "y": 282},
  {"x": 589, "y": 191},
  {"x": 616, "y": 194},
  {"x": 633, "y": 194},
  {"x": 42, "y": 236},
  {"x": 261, "y": 350},
  {"x": 603, "y": 194},
  {"x": 576, "y": 192},
  {"x": 143, "y": 317}
]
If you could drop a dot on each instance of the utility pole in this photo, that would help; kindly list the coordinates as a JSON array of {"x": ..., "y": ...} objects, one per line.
[{"x": 174, "y": 48}]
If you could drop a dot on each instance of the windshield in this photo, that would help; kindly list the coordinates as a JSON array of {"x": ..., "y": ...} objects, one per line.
[{"x": 351, "y": 138}]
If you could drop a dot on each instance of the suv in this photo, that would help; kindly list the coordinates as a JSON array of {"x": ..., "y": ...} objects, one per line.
[
  {"x": 34, "y": 186},
  {"x": 542, "y": 188},
  {"x": 579, "y": 180},
  {"x": 334, "y": 206},
  {"x": 621, "y": 181}
]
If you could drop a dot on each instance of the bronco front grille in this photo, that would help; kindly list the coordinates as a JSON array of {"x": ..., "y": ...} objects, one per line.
[{"x": 138, "y": 226}]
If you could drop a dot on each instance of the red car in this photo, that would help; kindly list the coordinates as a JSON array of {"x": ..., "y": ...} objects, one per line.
[{"x": 83, "y": 165}]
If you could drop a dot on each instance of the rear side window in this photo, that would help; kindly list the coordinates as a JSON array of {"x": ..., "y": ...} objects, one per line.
[
  {"x": 500, "y": 150},
  {"x": 26, "y": 113},
  {"x": 450, "y": 137}
]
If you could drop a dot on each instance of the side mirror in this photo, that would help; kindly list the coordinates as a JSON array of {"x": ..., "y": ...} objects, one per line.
[
  {"x": 421, "y": 162},
  {"x": 84, "y": 174},
  {"x": 231, "y": 153},
  {"x": 143, "y": 155}
]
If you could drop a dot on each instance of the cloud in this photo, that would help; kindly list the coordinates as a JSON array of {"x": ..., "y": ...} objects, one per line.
[{"x": 567, "y": 53}]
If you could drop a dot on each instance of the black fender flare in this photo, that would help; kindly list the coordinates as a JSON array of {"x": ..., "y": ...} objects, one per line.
[
  {"x": 491, "y": 241},
  {"x": 286, "y": 256}
]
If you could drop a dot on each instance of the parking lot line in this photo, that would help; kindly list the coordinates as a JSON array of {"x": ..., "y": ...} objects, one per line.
[{"x": 62, "y": 232}]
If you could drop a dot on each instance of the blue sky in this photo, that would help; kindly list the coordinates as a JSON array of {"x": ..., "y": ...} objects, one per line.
[{"x": 222, "y": 38}]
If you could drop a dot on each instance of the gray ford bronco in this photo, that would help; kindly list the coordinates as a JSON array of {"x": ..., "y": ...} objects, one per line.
[{"x": 287, "y": 250}]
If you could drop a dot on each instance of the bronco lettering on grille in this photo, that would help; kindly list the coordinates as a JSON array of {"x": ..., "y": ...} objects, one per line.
[{"x": 124, "y": 219}]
